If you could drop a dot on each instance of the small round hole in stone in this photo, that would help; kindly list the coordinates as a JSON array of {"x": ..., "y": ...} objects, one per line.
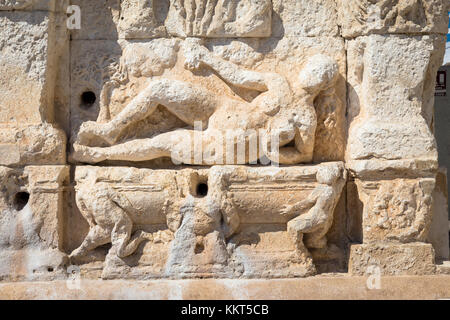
[
  {"x": 21, "y": 200},
  {"x": 88, "y": 99},
  {"x": 199, "y": 247},
  {"x": 202, "y": 189}
]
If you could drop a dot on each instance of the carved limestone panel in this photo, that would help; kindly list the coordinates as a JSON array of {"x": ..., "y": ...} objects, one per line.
[
  {"x": 362, "y": 17},
  {"x": 253, "y": 101},
  {"x": 396, "y": 210},
  {"x": 227, "y": 221},
  {"x": 31, "y": 222}
]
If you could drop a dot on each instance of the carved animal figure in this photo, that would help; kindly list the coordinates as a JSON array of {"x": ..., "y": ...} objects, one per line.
[{"x": 112, "y": 214}]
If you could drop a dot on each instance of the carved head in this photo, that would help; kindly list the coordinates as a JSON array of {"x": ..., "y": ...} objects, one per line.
[
  {"x": 328, "y": 175},
  {"x": 320, "y": 73}
]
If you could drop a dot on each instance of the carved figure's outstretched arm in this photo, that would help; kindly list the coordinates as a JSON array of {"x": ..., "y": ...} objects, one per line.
[
  {"x": 196, "y": 55},
  {"x": 308, "y": 203}
]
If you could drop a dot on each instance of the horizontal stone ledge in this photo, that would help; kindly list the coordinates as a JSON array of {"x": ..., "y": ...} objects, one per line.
[
  {"x": 404, "y": 168},
  {"x": 319, "y": 287}
]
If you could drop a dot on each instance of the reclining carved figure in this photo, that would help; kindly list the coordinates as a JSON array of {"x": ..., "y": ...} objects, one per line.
[{"x": 279, "y": 111}]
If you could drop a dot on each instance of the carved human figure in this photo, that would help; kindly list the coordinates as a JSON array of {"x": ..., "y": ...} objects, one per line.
[
  {"x": 320, "y": 205},
  {"x": 282, "y": 113}
]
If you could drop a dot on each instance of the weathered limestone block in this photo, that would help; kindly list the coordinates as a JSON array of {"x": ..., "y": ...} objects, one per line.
[
  {"x": 392, "y": 259},
  {"x": 15, "y": 4},
  {"x": 138, "y": 20},
  {"x": 392, "y": 204},
  {"x": 390, "y": 84},
  {"x": 29, "y": 53},
  {"x": 180, "y": 105},
  {"x": 125, "y": 74},
  {"x": 363, "y": 17},
  {"x": 31, "y": 222},
  {"x": 242, "y": 18},
  {"x": 99, "y": 19},
  {"x": 226, "y": 221},
  {"x": 305, "y": 18},
  {"x": 396, "y": 202},
  {"x": 112, "y": 19}
]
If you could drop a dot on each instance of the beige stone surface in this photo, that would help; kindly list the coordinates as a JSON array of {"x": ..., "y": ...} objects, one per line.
[
  {"x": 225, "y": 139},
  {"x": 33, "y": 5},
  {"x": 403, "y": 94},
  {"x": 234, "y": 230},
  {"x": 440, "y": 227},
  {"x": 397, "y": 209},
  {"x": 363, "y": 17},
  {"x": 31, "y": 224},
  {"x": 320, "y": 287},
  {"x": 163, "y": 61},
  {"x": 29, "y": 51},
  {"x": 392, "y": 259}
]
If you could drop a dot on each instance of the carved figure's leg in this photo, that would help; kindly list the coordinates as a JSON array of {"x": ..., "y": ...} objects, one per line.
[
  {"x": 314, "y": 222},
  {"x": 188, "y": 102},
  {"x": 176, "y": 144},
  {"x": 97, "y": 236},
  {"x": 317, "y": 239},
  {"x": 122, "y": 242}
]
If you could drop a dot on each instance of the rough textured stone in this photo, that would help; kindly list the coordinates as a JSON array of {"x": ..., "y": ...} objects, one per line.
[
  {"x": 312, "y": 288},
  {"x": 392, "y": 259},
  {"x": 363, "y": 17},
  {"x": 29, "y": 51},
  {"x": 31, "y": 224},
  {"x": 392, "y": 77},
  {"x": 232, "y": 230},
  {"x": 226, "y": 139},
  {"x": 34, "y": 5},
  {"x": 440, "y": 227}
]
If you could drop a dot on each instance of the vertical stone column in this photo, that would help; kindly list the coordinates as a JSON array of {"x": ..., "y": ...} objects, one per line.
[
  {"x": 33, "y": 174},
  {"x": 30, "y": 46},
  {"x": 394, "y": 49}
]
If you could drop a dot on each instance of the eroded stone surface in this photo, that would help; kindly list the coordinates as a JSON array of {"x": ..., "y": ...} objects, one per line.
[
  {"x": 402, "y": 94},
  {"x": 392, "y": 259},
  {"x": 29, "y": 51},
  {"x": 362, "y": 17},
  {"x": 212, "y": 129},
  {"x": 218, "y": 222},
  {"x": 31, "y": 202}
]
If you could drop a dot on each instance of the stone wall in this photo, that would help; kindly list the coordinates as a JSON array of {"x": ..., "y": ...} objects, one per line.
[{"x": 221, "y": 139}]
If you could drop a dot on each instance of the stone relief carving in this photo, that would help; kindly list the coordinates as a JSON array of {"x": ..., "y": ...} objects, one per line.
[
  {"x": 404, "y": 215},
  {"x": 364, "y": 16},
  {"x": 138, "y": 20},
  {"x": 279, "y": 110},
  {"x": 335, "y": 95},
  {"x": 199, "y": 216},
  {"x": 320, "y": 205},
  {"x": 219, "y": 18}
]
